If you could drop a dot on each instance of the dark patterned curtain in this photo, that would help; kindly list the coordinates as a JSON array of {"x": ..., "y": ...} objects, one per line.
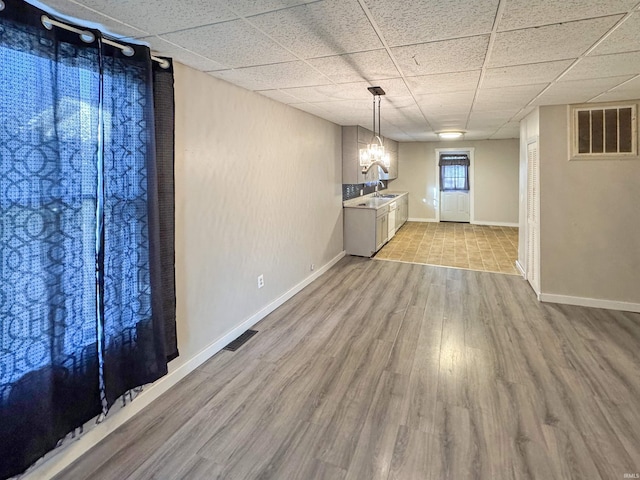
[
  {"x": 85, "y": 310},
  {"x": 454, "y": 171}
]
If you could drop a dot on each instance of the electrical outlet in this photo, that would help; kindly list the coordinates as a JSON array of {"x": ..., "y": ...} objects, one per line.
[
  {"x": 313, "y": 267},
  {"x": 260, "y": 281}
]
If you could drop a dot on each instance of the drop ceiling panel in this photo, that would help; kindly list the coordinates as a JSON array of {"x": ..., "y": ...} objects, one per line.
[
  {"x": 446, "y": 100},
  {"x": 357, "y": 91},
  {"x": 233, "y": 43},
  {"x": 627, "y": 91},
  {"x": 321, "y": 28},
  {"x": 530, "y": 13},
  {"x": 457, "y": 55},
  {"x": 509, "y": 130},
  {"x": 163, "y": 16},
  {"x": 553, "y": 42},
  {"x": 356, "y": 67},
  {"x": 444, "y": 82},
  {"x": 506, "y": 98},
  {"x": 487, "y": 120},
  {"x": 406, "y": 23},
  {"x": 168, "y": 49},
  {"x": 578, "y": 91},
  {"x": 625, "y": 38},
  {"x": 524, "y": 74},
  {"x": 605, "y": 66},
  {"x": 270, "y": 77},
  {"x": 253, "y": 7}
]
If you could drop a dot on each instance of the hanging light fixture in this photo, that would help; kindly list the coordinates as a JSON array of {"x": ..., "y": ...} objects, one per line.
[{"x": 375, "y": 153}]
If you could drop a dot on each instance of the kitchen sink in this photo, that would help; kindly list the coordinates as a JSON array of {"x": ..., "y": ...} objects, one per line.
[{"x": 388, "y": 195}]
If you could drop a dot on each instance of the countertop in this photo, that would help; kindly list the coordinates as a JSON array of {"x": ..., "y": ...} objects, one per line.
[{"x": 372, "y": 202}]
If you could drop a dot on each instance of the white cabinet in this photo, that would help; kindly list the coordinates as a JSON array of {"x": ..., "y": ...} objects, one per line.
[
  {"x": 382, "y": 230},
  {"x": 353, "y": 139},
  {"x": 402, "y": 212},
  {"x": 365, "y": 230}
]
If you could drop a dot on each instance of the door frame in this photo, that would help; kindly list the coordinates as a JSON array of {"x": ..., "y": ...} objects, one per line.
[{"x": 436, "y": 194}]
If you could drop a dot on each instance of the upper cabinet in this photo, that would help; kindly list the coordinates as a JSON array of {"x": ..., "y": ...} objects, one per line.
[{"x": 353, "y": 139}]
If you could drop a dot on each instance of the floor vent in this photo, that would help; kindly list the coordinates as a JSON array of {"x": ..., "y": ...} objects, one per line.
[{"x": 241, "y": 340}]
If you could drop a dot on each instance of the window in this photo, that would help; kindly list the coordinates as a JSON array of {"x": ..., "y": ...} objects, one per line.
[
  {"x": 454, "y": 171},
  {"x": 607, "y": 131}
]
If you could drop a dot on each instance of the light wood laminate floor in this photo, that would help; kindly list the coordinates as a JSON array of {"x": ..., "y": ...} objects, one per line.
[
  {"x": 460, "y": 245},
  {"x": 388, "y": 370}
]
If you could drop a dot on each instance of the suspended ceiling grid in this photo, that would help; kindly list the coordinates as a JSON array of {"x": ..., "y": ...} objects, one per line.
[{"x": 472, "y": 65}]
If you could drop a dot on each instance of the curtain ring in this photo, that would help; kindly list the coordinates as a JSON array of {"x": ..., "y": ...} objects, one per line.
[{"x": 2, "y": 5}]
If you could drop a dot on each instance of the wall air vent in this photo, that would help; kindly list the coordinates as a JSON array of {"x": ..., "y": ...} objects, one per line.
[{"x": 602, "y": 132}]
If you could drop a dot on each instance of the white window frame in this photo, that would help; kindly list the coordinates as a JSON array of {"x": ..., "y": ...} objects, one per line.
[{"x": 574, "y": 137}]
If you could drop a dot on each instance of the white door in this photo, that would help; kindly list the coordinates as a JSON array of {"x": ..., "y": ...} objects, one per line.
[
  {"x": 454, "y": 206},
  {"x": 533, "y": 217}
]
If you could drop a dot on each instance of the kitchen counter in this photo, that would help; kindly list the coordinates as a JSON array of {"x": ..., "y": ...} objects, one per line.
[{"x": 372, "y": 202}]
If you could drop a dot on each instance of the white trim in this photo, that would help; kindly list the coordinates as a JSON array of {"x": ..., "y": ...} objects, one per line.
[
  {"x": 590, "y": 302},
  {"x": 421, "y": 220},
  {"x": 497, "y": 224},
  {"x": 472, "y": 179},
  {"x": 58, "y": 461},
  {"x": 520, "y": 269}
]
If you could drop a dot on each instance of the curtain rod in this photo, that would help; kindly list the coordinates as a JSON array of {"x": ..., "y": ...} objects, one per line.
[{"x": 88, "y": 37}]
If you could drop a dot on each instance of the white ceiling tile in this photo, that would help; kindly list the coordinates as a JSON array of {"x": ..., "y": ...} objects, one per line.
[
  {"x": 578, "y": 91},
  {"x": 530, "y": 13},
  {"x": 323, "y": 28},
  {"x": 406, "y": 23},
  {"x": 626, "y": 91},
  {"x": 357, "y": 91},
  {"x": 270, "y": 77},
  {"x": 356, "y": 67},
  {"x": 163, "y": 16},
  {"x": 507, "y": 98},
  {"x": 496, "y": 117},
  {"x": 233, "y": 43},
  {"x": 444, "y": 82},
  {"x": 446, "y": 100},
  {"x": 524, "y": 74},
  {"x": 509, "y": 130},
  {"x": 254, "y": 7},
  {"x": 625, "y": 38},
  {"x": 81, "y": 15},
  {"x": 553, "y": 42},
  {"x": 457, "y": 55},
  {"x": 194, "y": 60},
  {"x": 605, "y": 66}
]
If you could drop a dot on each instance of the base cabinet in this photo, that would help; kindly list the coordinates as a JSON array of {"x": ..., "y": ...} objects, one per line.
[{"x": 366, "y": 230}]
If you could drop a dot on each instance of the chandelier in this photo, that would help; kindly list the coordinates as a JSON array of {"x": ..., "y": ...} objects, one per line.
[{"x": 374, "y": 153}]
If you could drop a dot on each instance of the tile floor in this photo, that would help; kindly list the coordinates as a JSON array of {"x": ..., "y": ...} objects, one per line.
[{"x": 461, "y": 245}]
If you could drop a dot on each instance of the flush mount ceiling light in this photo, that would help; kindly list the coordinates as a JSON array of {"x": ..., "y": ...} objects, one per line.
[
  {"x": 375, "y": 153},
  {"x": 450, "y": 135}
]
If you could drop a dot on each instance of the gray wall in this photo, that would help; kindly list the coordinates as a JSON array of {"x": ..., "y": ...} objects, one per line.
[
  {"x": 258, "y": 191},
  {"x": 589, "y": 219},
  {"x": 495, "y": 179}
]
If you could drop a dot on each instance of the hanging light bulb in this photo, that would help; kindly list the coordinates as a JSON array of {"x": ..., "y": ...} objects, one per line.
[{"x": 375, "y": 153}]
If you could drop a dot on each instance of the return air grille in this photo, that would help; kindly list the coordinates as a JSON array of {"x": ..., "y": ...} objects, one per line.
[
  {"x": 241, "y": 340},
  {"x": 604, "y": 131}
]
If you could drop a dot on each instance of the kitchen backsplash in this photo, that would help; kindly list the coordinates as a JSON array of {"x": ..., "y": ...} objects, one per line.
[{"x": 350, "y": 191}]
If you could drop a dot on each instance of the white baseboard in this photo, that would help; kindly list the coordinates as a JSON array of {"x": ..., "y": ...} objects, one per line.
[
  {"x": 590, "y": 302},
  {"x": 496, "y": 224},
  {"x": 55, "y": 461},
  {"x": 424, "y": 220},
  {"x": 520, "y": 269}
]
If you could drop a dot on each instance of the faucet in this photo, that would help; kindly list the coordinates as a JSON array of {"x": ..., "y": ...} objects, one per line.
[{"x": 376, "y": 193}]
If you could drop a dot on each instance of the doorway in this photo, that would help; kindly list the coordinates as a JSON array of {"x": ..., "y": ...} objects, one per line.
[{"x": 454, "y": 184}]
